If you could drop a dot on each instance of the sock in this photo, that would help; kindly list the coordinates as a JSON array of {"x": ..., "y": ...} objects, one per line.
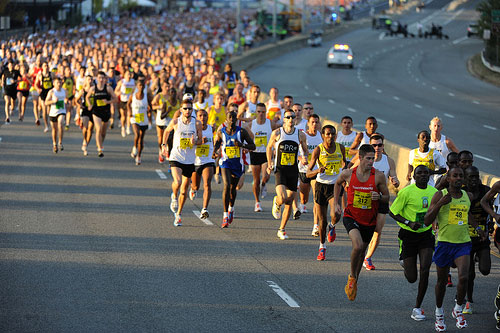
[
  {"x": 231, "y": 208},
  {"x": 458, "y": 307},
  {"x": 322, "y": 246},
  {"x": 225, "y": 214},
  {"x": 439, "y": 311}
]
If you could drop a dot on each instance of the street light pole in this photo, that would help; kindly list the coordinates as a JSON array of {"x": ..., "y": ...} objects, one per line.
[{"x": 274, "y": 20}]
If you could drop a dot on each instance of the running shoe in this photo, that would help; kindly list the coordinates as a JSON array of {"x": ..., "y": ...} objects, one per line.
[
  {"x": 100, "y": 153},
  {"x": 225, "y": 222},
  {"x": 467, "y": 308},
  {"x": 204, "y": 214},
  {"x": 192, "y": 194},
  {"x": 439, "y": 325},
  {"x": 449, "y": 284},
  {"x": 7, "y": 122},
  {"x": 276, "y": 209},
  {"x": 351, "y": 288},
  {"x": 296, "y": 214},
  {"x": 321, "y": 254},
  {"x": 178, "y": 220},
  {"x": 230, "y": 216},
  {"x": 127, "y": 130},
  {"x": 332, "y": 234},
  {"x": 497, "y": 299},
  {"x": 315, "y": 231},
  {"x": 133, "y": 154},
  {"x": 66, "y": 127},
  {"x": 263, "y": 191},
  {"x": 302, "y": 208},
  {"x": 461, "y": 322},
  {"x": 497, "y": 318},
  {"x": 368, "y": 264},
  {"x": 282, "y": 234},
  {"x": 37, "y": 122},
  {"x": 417, "y": 314},
  {"x": 84, "y": 146},
  {"x": 123, "y": 132},
  {"x": 45, "y": 130},
  {"x": 54, "y": 149},
  {"x": 85, "y": 153},
  {"x": 257, "y": 208},
  {"x": 61, "y": 147},
  {"x": 137, "y": 160},
  {"x": 173, "y": 203},
  {"x": 161, "y": 159}
]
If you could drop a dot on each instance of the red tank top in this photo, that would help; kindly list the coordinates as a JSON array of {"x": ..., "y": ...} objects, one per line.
[{"x": 360, "y": 206}]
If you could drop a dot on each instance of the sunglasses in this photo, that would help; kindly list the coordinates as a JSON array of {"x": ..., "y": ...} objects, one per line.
[
  {"x": 377, "y": 144},
  {"x": 289, "y": 117},
  {"x": 187, "y": 108},
  {"x": 307, "y": 108}
]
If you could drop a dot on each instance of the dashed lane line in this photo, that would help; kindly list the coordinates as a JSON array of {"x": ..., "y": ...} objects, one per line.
[
  {"x": 476, "y": 102},
  {"x": 418, "y": 106},
  {"x": 483, "y": 158},
  {"x": 331, "y": 101},
  {"x": 459, "y": 40},
  {"x": 367, "y": 85},
  {"x": 490, "y": 127},
  {"x": 451, "y": 94},
  {"x": 381, "y": 121},
  {"x": 306, "y": 87},
  {"x": 316, "y": 94},
  {"x": 206, "y": 221},
  {"x": 351, "y": 109},
  {"x": 161, "y": 174},
  {"x": 379, "y": 91},
  {"x": 284, "y": 296},
  {"x": 449, "y": 115},
  {"x": 396, "y": 98}
]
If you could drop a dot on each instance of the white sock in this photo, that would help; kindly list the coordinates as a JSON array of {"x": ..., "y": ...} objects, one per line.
[
  {"x": 231, "y": 208},
  {"x": 458, "y": 307},
  {"x": 439, "y": 311},
  {"x": 322, "y": 246},
  {"x": 225, "y": 214}
]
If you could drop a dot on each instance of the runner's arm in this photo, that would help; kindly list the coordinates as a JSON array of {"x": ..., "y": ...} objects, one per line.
[
  {"x": 393, "y": 177},
  {"x": 381, "y": 183},
  {"x": 303, "y": 144},
  {"x": 248, "y": 139},
  {"x": 314, "y": 158},
  {"x": 438, "y": 201},
  {"x": 451, "y": 145},
  {"x": 488, "y": 199},
  {"x": 270, "y": 146}
]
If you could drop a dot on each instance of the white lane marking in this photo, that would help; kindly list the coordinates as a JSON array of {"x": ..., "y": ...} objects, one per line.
[
  {"x": 161, "y": 174},
  {"x": 381, "y": 121},
  {"x": 490, "y": 127},
  {"x": 0, "y": 139},
  {"x": 434, "y": 88},
  {"x": 459, "y": 40},
  {"x": 396, "y": 98},
  {"x": 449, "y": 115},
  {"x": 316, "y": 94},
  {"x": 284, "y": 296},
  {"x": 379, "y": 91},
  {"x": 476, "y": 102},
  {"x": 331, "y": 101},
  {"x": 367, "y": 85},
  {"x": 381, "y": 36},
  {"x": 206, "y": 221},
  {"x": 453, "y": 17},
  {"x": 418, "y": 106},
  {"x": 483, "y": 158},
  {"x": 351, "y": 109},
  {"x": 451, "y": 94},
  {"x": 306, "y": 87}
]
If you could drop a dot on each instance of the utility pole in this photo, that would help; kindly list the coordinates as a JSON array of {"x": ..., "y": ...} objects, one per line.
[{"x": 274, "y": 20}]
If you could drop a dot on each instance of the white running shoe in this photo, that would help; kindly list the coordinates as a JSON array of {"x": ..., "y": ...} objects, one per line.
[
  {"x": 133, "y": 154},
  {"x": 178, "y": 220},
  {"x": 123, "y": 132},
  {"x": 282, "y": 234},
  {"x": 127, "y": 130},
  {"x": 137, "y": 160},
  {"x": 439, "y": 325},
  {"x": 315, "y": 231},
  {"x": 192, "y": 194},
  {"x": 257, "y": 207},
  {"x": 204, "y": 214},
  {"x": 46, "y": 129},
  {"x": 173, "y": 203},
  {"x": 276, "y": 209},
  {"x": 461, "y": 322},
  {"x": 417, "y": 314}
]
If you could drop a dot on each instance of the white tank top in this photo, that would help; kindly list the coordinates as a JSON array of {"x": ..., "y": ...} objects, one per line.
[
  {"x": 126, "y": 89},
  {"x": 204, "y": 151},
  {"x": 440, "y": 146},
  {"x": 365, "y": 140},
  {"x": 159, "y": 120},
  {"x": 346, "y": 141},
  {"x": 312, "y": 142},
  {"x": 261, "y": 133},
  {"x": 201, "y": 106},
  {"x": 139, "y": 110},
  {"x": 182, "y": 150},
  {"x": 58, "y": 107},
  {"x": 251, "y": 110},
  {"x": 383, "y": 165}
]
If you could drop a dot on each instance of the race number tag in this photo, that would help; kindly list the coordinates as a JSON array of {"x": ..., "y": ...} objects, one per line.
[
  {"x": 473, "y": 232},
  {"x": 100, "y": 102},
  {"x": 261, "y": 141},
  {"x": 332, "y": 166},
  {"x": 458, "y": 215},
  {"x": 202, "y": 150},
  {"x": 47, "y": 85},
  {"x": 362, "y": 200},
  {"x": 231, "y": 85},
  {"x": 186, "y": 143},
  {"x": 23, "y": 85},
  {"x": 128, "y": 91},
  {"x": 287, "y": 158},
  {"x": 233, "y": 152},
  {"x": 139, "y": 117},
  {"x": 60, "y": 105}
]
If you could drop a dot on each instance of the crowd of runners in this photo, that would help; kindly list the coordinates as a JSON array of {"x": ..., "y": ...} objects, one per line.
[{"x": 213, "y": 124}]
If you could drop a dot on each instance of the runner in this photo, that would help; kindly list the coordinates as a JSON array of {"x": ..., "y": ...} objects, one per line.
[
  {"x": 33, "y": 72},
  {"x": 139, "y": 114},
  {"x": 480, "y": 249},
  {"x": 238, "y": 97},
  {"x": 86, "y": 119},
  {"x": 44, "y": 83},
  {"x": 246, "y": 111},
  {"x": 431, "y": 158},
  {"x": 328, "y": 159},
  {"x": 274, "y": 106},
  {"x": 363, "y": 138},
  {"x": 10, "y": 77},
  {"x": 261, "y": 127},
  {"x": 159, "y": 104},
  {"x": 69, "y": 86},
  {"x": 440, "y": 142},
  {"x": 451, "y": 207},
  {"x": 124, "y": 89},
  {"x": 385, "y": 164},
  {"x": 347, "y": 136},
  {"x": 451, "y": 161},
  {"x": 23, "y": 90},
  {"x": 367, "y": 187},
  {"x": 465, "y": 159},
  {"x": 204, "y": 164},
  {"x": 103, "y": 96},
  {"x": 231, "y": 140},
  {"x": 56, "y": 100},
  {"x": 285, "y": 141},
  {"x": 187, "y": 133},
  {"x": 415, "y": 238},
  {"x": 300, "y": 122},
  {"x": 229, "y": 77},
  {"x": 217, "y": 112}
]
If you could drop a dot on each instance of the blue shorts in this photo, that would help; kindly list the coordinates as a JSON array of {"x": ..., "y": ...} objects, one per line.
[{"x": 446, "y": 253}]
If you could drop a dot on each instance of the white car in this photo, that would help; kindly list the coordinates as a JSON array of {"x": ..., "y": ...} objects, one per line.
[{"x": 340, "y": 54}]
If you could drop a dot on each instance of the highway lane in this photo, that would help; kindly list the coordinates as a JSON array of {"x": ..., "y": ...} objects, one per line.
[{"x": 403, "y": 82}]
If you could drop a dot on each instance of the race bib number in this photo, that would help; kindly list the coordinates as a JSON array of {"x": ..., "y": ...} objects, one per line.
[
  {"x": 23, "y": 85},
  {"x": 287, "y": 158},
  {"x": 100, "y": 102},
  {"x": 231, "y": 85},
  {"x": 233, "y": 152},
  {"x": 473, "y": 232},
  {"x": 347, "y": 155},
  {"x": 362, "y": 200},
  {"x": 261, "y": 141},
  {"x": 128, "y": 91},
  {"x": 458, "y": 215},
  {"x": 186, "y": 143},
  {"x": 47, "y": 85},
  {"x": 332, "y": 167},
  {"x": 9, "y": 81},
  {"x": 202, "y": 150},
  {"x": 139, "y": 117},
  {"x": 60, "y": 105}
]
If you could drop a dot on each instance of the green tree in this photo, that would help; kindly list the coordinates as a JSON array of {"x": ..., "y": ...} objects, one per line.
[{"x": 491, "y": 45}]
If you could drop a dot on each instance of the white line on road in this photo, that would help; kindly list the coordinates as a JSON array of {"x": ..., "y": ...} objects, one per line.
[
  {"x": 418, "y": 106},
  {"x": 379, "y": 91},
  {"x": 381, "y": 36},
  {"x": 490, "y": 127},
  {"x": 206, "y": 221},
  {"x": 306, "y": 87},
  {"x": 483, "y": 158},
  {"x": 0, "y": 139},
  {"x": 367, "y": 85},
  {"x": 396, "y": 98},
  {"x": 351, "y": 109},
  {"x": 381, "y": 121},
  {"x": 284, "y": 296},
  {"x": 434, "y": 88},
  {"x": 316, "y": 94},
  {"x": 331, "y": 101},
  {"x": 451, "y": 94},
  {"x": 476, "y": 102},
  {"x": 449, "y": 115},
  {"x": 161, "y": 174},
  {"x": 459, "y": 40}
]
